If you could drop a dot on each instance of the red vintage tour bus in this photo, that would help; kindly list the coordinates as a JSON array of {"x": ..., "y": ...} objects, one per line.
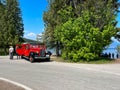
[{"x": 32, "y": 51}]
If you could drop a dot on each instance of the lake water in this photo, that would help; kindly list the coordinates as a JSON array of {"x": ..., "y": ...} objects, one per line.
[
  {"x": 108, "y": 50},
  {"x": 111, "y": 50}
]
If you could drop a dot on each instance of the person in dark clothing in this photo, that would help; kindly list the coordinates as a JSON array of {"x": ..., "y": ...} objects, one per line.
[
  {"x": 106, "y": 55},
  {"x": 112, "y": 55},
  {"x": 117, "y": 56},
  {"x": 49, "y": 53},
  {"x": 109, "y": 55},
  {"x": 18, "y": 56}
]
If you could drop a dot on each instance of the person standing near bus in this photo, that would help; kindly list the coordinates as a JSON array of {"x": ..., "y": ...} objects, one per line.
[
  {"x": 16, "y": 51},
  {"x": 11, "y": 52}
]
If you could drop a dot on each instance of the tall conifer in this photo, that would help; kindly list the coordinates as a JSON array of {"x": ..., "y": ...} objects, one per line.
[
  {"x": 11, "y": 24},
  {"x": 14, "y": 21}
]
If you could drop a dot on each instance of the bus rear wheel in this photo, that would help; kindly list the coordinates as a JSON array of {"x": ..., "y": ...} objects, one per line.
[{"x": 31, "y": 59}]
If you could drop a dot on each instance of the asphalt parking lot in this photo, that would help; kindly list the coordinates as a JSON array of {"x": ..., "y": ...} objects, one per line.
[{"x": 60, "y": 76}]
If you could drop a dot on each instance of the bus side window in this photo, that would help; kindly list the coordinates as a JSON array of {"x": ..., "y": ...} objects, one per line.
[
  {"x": 19, "y": 46},
  {"x": 27, "y": 47}
]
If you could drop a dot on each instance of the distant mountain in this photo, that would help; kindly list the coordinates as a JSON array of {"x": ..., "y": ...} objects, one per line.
[{"x": 29, "y": 40}]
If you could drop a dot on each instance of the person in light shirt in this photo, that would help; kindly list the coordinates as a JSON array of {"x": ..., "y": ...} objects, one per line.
[{"x": 11, "y": 52}]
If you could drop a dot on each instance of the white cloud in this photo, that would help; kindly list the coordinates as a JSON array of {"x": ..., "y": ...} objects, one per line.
[{"x": 31, "y": 35}]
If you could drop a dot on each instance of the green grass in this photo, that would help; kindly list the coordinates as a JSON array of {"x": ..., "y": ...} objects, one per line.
[{"x": 100, "y": 61}]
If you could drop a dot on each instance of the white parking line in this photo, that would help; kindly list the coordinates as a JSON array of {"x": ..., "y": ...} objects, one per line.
[{"x": 15, "y": 83}]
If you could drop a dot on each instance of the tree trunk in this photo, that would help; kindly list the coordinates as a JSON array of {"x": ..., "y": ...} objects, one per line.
[
  {"x": 5, "y": 51},
  {"x": 57, "y": 49}
]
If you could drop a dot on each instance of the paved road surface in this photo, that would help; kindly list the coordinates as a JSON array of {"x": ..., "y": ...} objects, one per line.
[{"x": 61, "y": 76}]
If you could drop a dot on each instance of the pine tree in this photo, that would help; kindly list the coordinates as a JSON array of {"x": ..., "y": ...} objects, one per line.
[
  {"x": 14, "y": 22},
  {"x": 51, "y": 19},
  {"x": 11, "y": 25},
  {"x": 2, "y": 8}
]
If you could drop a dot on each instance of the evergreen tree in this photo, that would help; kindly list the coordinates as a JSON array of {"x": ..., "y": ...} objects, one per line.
[
  {"x": 51, "y": 19},
  {"x": 11, "y": 25},
  {"x": 83, "y": 27},
  {"x": 14, "y": 22},
  {"x": 2, "y": 8}
]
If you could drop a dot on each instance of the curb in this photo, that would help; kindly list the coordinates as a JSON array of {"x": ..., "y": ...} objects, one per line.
[{"x": 15, "y": 83}]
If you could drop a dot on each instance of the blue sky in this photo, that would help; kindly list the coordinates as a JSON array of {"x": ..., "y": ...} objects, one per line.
[{"x": 32, "y": 14}]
